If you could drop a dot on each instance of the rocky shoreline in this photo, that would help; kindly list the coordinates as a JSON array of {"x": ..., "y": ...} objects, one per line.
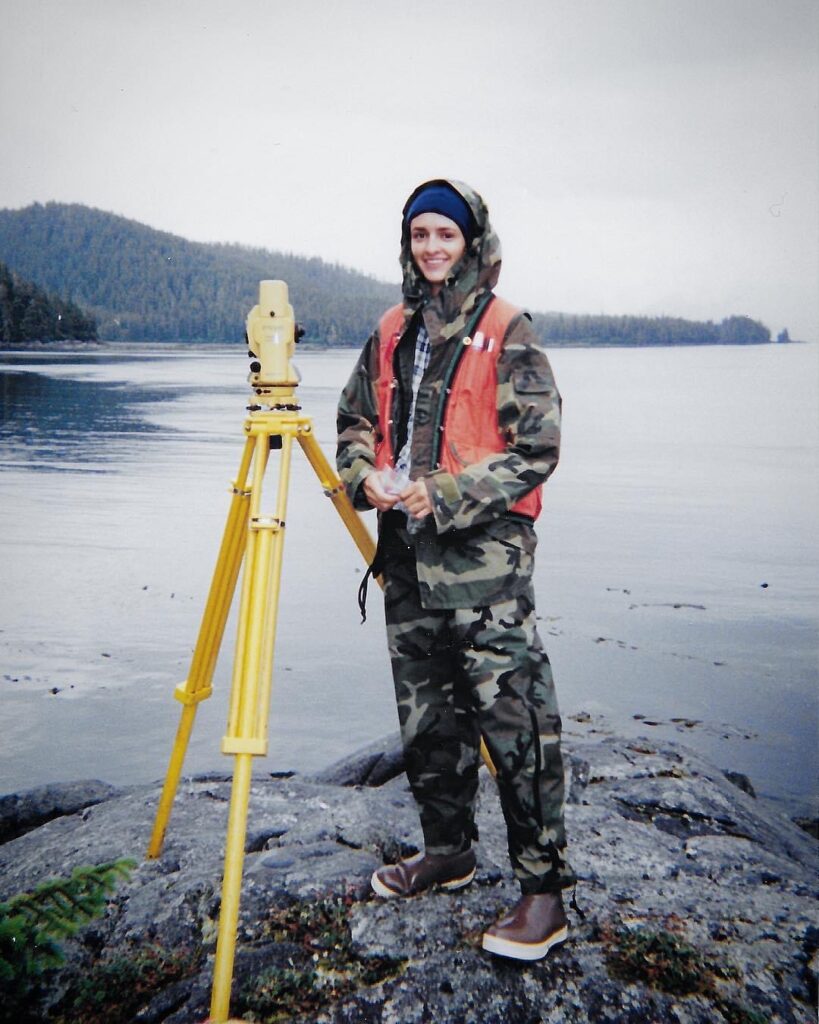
[{"x": 698, "y": 901}]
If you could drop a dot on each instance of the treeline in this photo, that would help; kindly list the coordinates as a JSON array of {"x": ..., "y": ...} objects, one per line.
[
  {"x": 147, "y": 285},
  {"x": 566, "y": 329},
  {"x": 28, "y": 313}
]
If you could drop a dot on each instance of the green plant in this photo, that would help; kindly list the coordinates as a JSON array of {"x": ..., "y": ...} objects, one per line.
[
  {"x": 659, "y": 959},
  {"x": 736, "y": 1014},
  {"x": 325, "y": 969},
  {"x": 121, "y": 982},
  {"x": 662, "y": 960},
  {"x": 275, "y": 995},
  {"x": 32, "y": 923}
]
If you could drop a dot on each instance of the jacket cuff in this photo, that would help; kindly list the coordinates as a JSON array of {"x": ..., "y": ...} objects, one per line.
[
  {"x": 445, "y": 495},
  {"x": 353, "y": 478}
]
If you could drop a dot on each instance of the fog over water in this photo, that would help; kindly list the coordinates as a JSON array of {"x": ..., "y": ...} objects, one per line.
[{"x": 676, "y": 578}]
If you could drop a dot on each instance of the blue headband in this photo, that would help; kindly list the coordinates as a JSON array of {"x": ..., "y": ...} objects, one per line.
[{"x": 446, "y": 201}]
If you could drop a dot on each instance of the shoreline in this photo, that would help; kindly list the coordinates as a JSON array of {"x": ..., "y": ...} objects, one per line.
[
  {"x": 579, "y": 727},
  {"x": 109, "y": 347},
  {"x": 46, "y": 696}
]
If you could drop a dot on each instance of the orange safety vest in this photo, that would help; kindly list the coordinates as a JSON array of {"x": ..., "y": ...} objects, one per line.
[{"x": 468, "y": 411}]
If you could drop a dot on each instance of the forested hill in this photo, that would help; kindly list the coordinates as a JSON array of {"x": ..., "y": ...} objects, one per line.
[
  {"x": 28, "y": 313},
  {"x": 573, "y": 329},
  {"x": 147, "y": 285}
]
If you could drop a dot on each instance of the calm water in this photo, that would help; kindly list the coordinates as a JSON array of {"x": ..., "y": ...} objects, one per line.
[{"x": 677, "y": 574}]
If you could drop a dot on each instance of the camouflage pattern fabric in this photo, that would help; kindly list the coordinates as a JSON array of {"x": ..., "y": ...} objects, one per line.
[{"x": 469, "y": 672}]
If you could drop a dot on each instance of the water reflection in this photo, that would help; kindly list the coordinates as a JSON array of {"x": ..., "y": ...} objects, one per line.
[{"x": 56, "y": 423}]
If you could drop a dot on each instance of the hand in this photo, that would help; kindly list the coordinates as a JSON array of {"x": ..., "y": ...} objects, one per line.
[
  {"x": 376, "y": 495},
  {"x": 416, "y": 499}
]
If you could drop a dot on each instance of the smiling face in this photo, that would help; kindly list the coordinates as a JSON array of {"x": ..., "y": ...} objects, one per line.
[{"x": 437, "y": 243}]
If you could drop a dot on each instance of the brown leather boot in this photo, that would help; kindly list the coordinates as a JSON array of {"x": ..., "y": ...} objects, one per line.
[
  {"x": 421, "y": 872},
  {"x": 530, "y": 929}
]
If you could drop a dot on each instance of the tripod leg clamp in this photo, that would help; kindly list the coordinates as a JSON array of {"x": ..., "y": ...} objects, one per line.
[
  {"x": 186, "y": 696},
  {"x": 238, "y": 745},
  {"x": 267, "y": 523}
]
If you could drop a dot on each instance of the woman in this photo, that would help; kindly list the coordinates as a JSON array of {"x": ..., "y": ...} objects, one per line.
[{"x": 448, "y": 426}]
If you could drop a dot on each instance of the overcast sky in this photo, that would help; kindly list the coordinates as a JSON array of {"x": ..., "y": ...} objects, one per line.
[{"x": 637, "y": 156}]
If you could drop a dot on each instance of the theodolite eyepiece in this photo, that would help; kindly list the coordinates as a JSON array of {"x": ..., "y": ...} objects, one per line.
[{"x": 272, "y": 334}]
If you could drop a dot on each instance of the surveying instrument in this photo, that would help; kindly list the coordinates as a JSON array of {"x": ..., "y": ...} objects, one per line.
[{"x": 273, "y": 422}]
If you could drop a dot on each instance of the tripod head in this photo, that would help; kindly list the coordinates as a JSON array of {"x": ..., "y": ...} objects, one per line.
[{"x": 272, "y": 333}]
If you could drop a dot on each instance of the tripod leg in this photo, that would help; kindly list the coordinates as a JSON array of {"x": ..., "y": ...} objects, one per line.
[
  {"x": 334, "y": 489},
  {"x": 251, "y": 540},
  {"x": 231, "y": 889},
  {"x": 250, "y": 700},
  {"x": 197, "y": 687}
]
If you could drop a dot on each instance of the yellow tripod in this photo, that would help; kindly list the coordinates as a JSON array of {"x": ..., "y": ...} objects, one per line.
[{"x": 258, "y": 538}]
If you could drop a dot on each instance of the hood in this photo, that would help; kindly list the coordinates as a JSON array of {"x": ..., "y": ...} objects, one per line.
[{"x": 473, "y": 275}]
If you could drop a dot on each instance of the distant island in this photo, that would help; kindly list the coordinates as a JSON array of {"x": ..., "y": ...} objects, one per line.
[{"x": 73, "y": 272}]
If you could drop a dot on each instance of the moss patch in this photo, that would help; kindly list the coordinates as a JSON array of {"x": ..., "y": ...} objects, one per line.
[
  {"x": 659, "y": 959},
  {"x": 322, "y": 969},
  {"x": 663, "y": 960},
  {"x": 122, "y": 982}
]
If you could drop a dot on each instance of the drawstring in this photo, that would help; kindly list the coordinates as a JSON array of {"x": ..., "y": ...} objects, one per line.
[
  {"x": 375, "y": 568},
  {"x": 391, "y": 549},
  {"x": 362, "y": 593},
  {"x": 573, "y": 904}
]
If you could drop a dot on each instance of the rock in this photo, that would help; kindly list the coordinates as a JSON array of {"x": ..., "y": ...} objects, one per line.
[
  {"x": 809, "y": 825},
  {"x": 20, "y": 812},
  {"x": 372, "y": 766},
  {"x": 740, "y": 781},
  {"x": 664, "y": 846}
]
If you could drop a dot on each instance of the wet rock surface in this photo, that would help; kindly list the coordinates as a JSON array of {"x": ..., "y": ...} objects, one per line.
[{"x": 699, "y": 902}]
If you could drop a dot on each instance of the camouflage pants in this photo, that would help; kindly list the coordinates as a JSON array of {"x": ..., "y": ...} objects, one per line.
[{"x": 461, "y": 674}]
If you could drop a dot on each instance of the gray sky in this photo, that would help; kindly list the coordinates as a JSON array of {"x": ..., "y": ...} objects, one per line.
[{"x": 637, "y": 156}]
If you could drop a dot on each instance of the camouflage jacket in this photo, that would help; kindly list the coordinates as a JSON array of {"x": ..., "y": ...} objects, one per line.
[{"x": 471, "y": 551}]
